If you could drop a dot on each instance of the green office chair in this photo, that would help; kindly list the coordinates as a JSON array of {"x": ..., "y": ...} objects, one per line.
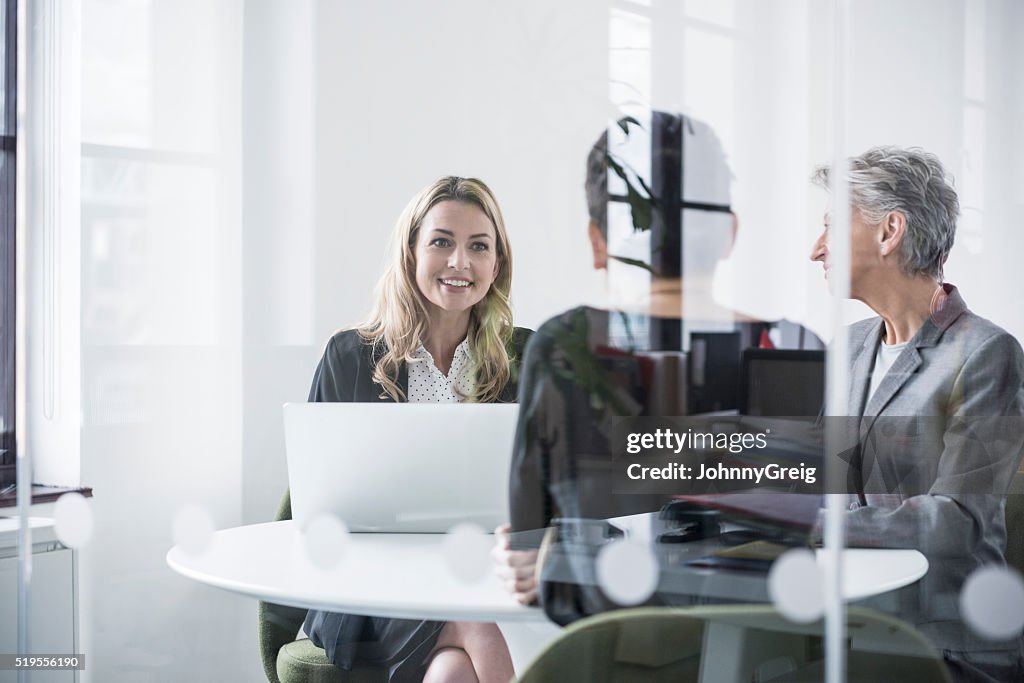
[
  {"x": 1015, "y": 523},
  {"x": 882, "y": 648},
  {"x": 664, "y": 644},
  {"x": 286, "y": 660},
  {"x": 652, "y": 644}
]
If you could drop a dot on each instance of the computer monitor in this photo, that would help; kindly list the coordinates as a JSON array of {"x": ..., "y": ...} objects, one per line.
[
  {"x": 782, "y": 383},
  {"x": 713, "y": 372}
]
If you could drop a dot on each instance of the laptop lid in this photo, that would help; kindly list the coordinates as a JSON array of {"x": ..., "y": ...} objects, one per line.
[{"x": 400, "y": 467}]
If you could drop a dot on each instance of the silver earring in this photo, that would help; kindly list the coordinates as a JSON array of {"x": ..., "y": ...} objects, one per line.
[{"x": 883, "y": 249}]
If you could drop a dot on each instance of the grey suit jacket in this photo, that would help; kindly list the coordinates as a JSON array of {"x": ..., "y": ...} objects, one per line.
[{"x": 940, "y": 440}]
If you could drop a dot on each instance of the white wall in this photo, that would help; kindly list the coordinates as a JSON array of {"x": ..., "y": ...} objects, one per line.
[
  {"x": 402, "y": 94},
  {"x": 279, "y": 241},
  {"x": 944, "y": 75},
  {"x": 512, "y": 93}
]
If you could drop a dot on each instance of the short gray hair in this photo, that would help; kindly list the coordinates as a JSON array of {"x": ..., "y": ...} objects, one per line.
[{"x": 913, "y": 182}]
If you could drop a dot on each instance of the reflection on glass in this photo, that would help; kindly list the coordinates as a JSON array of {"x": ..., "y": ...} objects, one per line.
[
  {"x": 975, "y": 73},
  {"x": 161, "y": 396},
  {"x": 465, "y": 551},
  {"x": 708, "y": 62},
  {"x": 627, "y": 571},
  {"x": 797, "y": 587},
  {"x": 722, "y": 12},
  {"x": 72, "y": 516},
  {"x": 324, "y": 541},
  {"x": 118, "y": 72},
  {"x": 131, "y": 213},
  {"x": 992, "y": 603},
  {"x": 629, "y": 60},
  {"x": 142, "y": 89},
  {"x": 658, "y": 192}
]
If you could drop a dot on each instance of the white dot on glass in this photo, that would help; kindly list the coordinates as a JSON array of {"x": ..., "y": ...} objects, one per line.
[
  {"x": 796, "y": 586},
  {"x": 72, "y": 517},
  {"x": 992, "y": 603},
  {"x": 324, "y": 539},
  {"x": 193, "y": 529},
  {"x": 466, "y": 551},
  {"x": 627, "y": 571}
]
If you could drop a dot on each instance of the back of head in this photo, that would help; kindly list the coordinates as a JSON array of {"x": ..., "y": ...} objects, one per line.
[{"x": 658, "y": 190}]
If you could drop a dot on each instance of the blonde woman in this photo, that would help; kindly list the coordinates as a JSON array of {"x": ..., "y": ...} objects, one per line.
[{"x": 441, "y": 330}]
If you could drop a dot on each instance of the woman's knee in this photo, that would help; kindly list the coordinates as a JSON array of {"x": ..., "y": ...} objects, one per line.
[
  {"x": 450, "y": 665},
  {"x": 470, "y": 636},
  {"x": 484, "y": 647}
]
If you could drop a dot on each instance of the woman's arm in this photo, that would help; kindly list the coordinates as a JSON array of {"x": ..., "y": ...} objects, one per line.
[
  {"x": 516, "y": 569},
  {"x": 529, "y": 498},
  {"x": 515, "y": 549},
  {"x": 981, "y": 449},
  {"x": 334, "y": 379}
]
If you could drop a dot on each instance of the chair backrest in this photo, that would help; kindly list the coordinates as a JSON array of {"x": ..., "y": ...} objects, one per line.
[
  {"x": 666, "y": 644},
  {"x": 645, "y": 644},
  {"x": 1015, "y": 523},
  {"x": 278, "y": 624}
]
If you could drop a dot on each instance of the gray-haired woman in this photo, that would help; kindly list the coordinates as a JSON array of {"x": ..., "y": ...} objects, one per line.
[{"x": 941, "y": 394}]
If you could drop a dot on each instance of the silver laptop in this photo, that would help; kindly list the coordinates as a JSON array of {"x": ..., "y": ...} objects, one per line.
[{"x": 400, "y": 467}]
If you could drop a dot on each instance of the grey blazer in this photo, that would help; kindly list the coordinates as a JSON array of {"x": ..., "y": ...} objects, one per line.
[{"x": 940, "y": 440}]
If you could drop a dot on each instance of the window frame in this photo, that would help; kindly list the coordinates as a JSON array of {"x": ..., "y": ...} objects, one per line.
[{"x": 8, "y": 246}]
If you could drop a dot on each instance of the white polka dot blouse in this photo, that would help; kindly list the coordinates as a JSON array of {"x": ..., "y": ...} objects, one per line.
[{"x": 427, "y": 384}]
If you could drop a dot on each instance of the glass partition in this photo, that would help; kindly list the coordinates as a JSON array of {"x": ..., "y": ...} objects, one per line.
[
  {"x": 691, "y": 204},
  {"x": 937, "y": 462}
]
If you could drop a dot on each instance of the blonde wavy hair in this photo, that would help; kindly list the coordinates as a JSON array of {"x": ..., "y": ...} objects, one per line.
[{"x": 399, "y": 320}]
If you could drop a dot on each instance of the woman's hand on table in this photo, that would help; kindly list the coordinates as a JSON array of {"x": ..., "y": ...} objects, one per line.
[{"x": 517, "y": 569}]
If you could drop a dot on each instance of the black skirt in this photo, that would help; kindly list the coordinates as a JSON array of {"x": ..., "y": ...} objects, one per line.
[{"x": 400, "y": 646}]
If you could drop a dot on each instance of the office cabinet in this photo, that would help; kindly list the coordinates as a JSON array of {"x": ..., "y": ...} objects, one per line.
[{"x": 52, "y": 608}]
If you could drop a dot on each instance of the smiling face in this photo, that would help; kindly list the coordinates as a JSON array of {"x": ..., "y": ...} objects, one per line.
[
  {"x": 866, "y": 255},
  {"x": 456, "y": 257}
]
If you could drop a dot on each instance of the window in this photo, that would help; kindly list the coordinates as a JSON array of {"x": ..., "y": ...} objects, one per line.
[{"x": 8, "y": 89}]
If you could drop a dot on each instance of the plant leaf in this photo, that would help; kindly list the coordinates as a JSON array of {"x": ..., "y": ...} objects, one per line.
[
  {"x": 634, "y": 262},
  {"x": 625, "y": 121},
  {"x": 641, "y": 207}
]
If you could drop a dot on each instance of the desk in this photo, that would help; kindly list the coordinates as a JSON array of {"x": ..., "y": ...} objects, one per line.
[
  {"x": 405, "y": 575},
  {"x": 41, "y": 494}
]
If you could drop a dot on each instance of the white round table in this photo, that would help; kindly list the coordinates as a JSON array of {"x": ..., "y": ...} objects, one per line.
[
  {"x": 406, "y": 575},
  {"x": 385, "y": 575},
  {"x": 873, "y": 571}
]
